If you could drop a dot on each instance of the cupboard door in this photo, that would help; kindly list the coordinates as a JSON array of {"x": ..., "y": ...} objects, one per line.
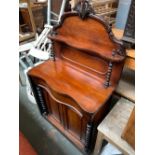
[
  {"x": 74, "y": 122},
  {"x": 53, "y": 107},
  {"x": 65, "y": 113}
]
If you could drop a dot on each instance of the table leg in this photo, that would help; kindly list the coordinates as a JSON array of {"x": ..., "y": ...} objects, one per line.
[{"x": 98, "y": 144}]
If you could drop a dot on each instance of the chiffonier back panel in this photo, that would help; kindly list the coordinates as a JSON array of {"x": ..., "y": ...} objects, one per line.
[
  {"x": 86, "y": 45},
  {"x": 89, "y": 64}
]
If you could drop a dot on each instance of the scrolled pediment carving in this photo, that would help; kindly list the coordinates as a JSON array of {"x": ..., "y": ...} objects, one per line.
[{"x": 84, "y": 9}]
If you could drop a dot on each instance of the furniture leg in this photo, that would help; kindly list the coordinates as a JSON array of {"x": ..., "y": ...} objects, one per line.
[{"x": 98, "y": 144}]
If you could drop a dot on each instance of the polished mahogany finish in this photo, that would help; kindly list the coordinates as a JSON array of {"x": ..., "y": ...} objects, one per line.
[{"x": 73, "y": 89}]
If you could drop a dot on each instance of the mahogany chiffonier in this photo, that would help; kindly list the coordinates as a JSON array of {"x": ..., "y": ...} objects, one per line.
[{"x": 72, "y": 90}]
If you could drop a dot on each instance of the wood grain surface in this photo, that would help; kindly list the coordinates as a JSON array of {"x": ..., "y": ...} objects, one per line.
[
  {"x": 112, "y": 127},
  {"x": 130, "y": 60},
  {"x": 129, "y": 131}
]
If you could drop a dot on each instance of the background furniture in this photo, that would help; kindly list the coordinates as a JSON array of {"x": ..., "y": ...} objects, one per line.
[
  {"x": 111, "y": 128},
  {"x": 122, "y": 13},
  {"x": 129, "y": 131},
  {"x": 27, "y": 29},
  {"x": 128, "y": 76},
  {"x": 107, "y": 9},
  {"x": 39, "y": 12},
  {"x": 129, "y": 32},
  {"x": 126, "y": 85},
  {"x": 130, "y": 60}
]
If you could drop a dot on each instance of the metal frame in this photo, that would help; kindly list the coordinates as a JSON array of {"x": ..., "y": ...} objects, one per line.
[{"x": 49, "y": 12}]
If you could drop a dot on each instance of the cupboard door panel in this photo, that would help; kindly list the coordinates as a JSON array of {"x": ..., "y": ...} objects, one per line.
[
  {"x": 74, "y": 123},
  {"x": 53, "y": 106},
  {"x": 55, "y": 109},
  {"x": 64, "y": 112}
]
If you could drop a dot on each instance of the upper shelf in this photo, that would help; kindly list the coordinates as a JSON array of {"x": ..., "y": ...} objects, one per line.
[
  {"x": 91, "y": 34},
  {"x": 88, "y": 45}
]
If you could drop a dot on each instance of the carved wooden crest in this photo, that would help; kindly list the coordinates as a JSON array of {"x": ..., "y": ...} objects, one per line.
[{"x": 84, "y": 9}]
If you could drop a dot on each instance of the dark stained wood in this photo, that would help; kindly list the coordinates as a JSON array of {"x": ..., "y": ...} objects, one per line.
[
  {"x": 68, "y": 6},
  {"x": 39, "y": 16},
  {"x": 26, "y": 18},
  {"x": 84, "y": 9},
  {"x": 129, "y": 131},
  {"x": 72, "y": 93}
]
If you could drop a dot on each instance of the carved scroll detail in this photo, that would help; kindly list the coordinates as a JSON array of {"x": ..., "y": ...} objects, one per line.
[
  {"x": 84, "y": 9},
  {"x": 119, "y": 51}
]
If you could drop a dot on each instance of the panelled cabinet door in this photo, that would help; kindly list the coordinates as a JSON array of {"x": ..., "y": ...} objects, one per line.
[
  {"x": 54, "y": 108},
  {"x": 75, "y": 123},
  {"x": 65, "y": 111}
]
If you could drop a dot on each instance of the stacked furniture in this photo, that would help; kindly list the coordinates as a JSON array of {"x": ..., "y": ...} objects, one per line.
[
  {"x": 106, "y": 9},
  {"x": 114, "y": 128},
  {"x": 129, "y": 32},
  {"x": 39, "y": 11},
  {"x": 73, "y": 89},
  {"x": 27, "y": 29}
]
